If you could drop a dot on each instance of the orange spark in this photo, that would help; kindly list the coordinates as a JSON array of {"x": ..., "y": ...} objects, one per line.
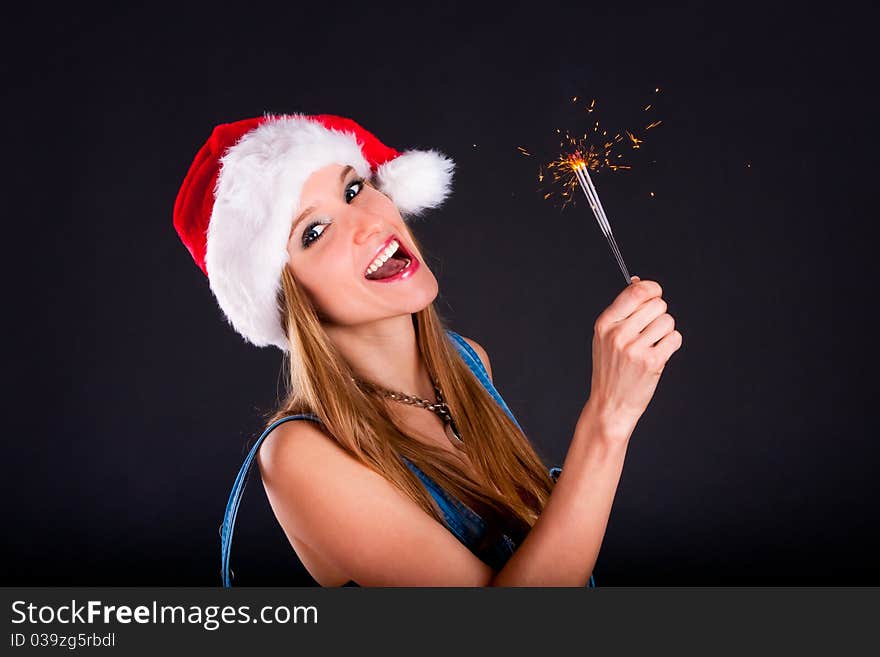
[{"x": 558, "y": 178}]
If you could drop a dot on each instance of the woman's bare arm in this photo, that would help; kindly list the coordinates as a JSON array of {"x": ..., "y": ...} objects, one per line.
[
  {"x": 562, "y": 547},
  {"x": 632, "y": 341},
  {"x": 357, "y": 520},
  {"x": 368, "y": 529}
]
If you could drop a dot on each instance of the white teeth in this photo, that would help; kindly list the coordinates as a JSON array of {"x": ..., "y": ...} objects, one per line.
[{"x": 382, "y": 257}]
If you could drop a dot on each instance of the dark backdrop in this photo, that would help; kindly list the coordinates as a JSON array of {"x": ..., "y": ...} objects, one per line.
[{"x": 131, "y": 402}]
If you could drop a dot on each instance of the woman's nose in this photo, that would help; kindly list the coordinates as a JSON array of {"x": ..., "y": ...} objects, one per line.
[{"x": 366, "y": 226}]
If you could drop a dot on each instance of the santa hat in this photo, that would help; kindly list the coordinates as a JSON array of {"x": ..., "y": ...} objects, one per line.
[{"x": 239, "y": 197}]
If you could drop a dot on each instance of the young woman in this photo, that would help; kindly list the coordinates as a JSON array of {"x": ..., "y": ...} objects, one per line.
[{"x": 404, "y": 467}]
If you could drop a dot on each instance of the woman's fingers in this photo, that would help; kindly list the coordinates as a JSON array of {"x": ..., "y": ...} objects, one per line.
[
  {"x": 626, "y": 362},
  {"x": 660, "y": 325},
  {"x": 642, "y": 318},
  {"x": 633, "y": 296},
  {"x": 664, "y": 349}
]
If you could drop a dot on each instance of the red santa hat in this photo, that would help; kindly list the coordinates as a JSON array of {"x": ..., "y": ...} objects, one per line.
[{"x": 238, "y": 199}]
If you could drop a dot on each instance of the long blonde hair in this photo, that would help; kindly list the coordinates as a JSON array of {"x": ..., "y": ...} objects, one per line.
[{"x": 514, "y": 483}]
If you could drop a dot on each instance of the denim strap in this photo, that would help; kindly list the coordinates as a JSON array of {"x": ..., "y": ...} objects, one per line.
[
  {"x": 473, "y": 361},
  {"x": 238, "y": 490}
]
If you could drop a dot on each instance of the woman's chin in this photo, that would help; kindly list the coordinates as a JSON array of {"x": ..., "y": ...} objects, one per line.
[
  {"x": 419, "y": 297},
  {"x": 411, "y": 297}
]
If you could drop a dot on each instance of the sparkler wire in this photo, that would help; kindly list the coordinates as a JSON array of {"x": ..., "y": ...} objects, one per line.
[
  {"x": 613, "y": 242},
  {"x": 604, "y": 226},
  {"x": 589, "y": 190},
  {"x": 609, "y": 234}
]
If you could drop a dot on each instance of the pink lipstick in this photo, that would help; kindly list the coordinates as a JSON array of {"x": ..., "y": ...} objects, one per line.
[{"x": 401, "y": 254}]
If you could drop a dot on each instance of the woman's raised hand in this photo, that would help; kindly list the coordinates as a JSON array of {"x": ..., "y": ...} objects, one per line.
[{"x": 633, "y": 339}]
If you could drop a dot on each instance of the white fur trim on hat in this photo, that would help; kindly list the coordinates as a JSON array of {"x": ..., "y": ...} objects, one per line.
[{"x": 257, "y": 192}]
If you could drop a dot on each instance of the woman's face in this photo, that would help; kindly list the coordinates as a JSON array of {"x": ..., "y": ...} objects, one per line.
[{"x": 339, "y": 228}]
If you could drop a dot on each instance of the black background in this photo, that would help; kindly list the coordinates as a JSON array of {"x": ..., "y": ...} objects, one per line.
[{"x": 131, "y": 402}]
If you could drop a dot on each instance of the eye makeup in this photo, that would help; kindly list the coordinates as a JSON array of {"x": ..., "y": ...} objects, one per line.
[{"x": 307, "y": 240}]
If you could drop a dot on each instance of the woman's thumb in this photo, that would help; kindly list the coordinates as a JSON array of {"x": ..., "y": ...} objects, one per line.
[{"x": 634, "y": 279}]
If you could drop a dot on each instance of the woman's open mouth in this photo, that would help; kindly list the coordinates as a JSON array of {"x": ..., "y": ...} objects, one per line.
[{"x": 394, "y": 263}]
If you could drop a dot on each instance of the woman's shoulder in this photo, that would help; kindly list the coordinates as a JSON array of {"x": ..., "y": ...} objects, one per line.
[
  {"x": 301, "y": 436},
  {"x": 481, "y": 353},
  {"x": 363, "y": 527}
]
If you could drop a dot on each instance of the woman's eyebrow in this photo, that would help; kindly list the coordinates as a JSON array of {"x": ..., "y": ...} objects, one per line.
[
  {"x": 304, "y": 213},
  {"x": 345, "y": 173}
]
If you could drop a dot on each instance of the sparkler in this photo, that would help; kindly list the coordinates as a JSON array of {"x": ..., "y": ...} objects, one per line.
[
  {"x": 572, "y": 169},
  {"x": 586, "y": 183}
]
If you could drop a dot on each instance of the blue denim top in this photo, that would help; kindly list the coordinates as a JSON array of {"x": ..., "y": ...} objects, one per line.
[{"x": 459, "y": 518}]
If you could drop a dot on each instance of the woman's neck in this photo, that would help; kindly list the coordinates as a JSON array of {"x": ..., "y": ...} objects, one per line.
[{"x": 385, "y": 353}]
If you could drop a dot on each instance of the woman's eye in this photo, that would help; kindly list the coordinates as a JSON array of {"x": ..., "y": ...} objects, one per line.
[
  {"x": 310, "y": 231},
  {"x": 356, "y": 185}
]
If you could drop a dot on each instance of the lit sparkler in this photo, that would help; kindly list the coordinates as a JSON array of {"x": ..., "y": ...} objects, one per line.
[
  {"x": 594, "y": 150},
  {"x": 586, "y": 183}
]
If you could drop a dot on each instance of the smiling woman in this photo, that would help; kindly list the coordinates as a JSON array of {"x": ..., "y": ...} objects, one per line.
[
  {"x": 345, "y": 244},
  {"x": 302, "y": 225}
]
